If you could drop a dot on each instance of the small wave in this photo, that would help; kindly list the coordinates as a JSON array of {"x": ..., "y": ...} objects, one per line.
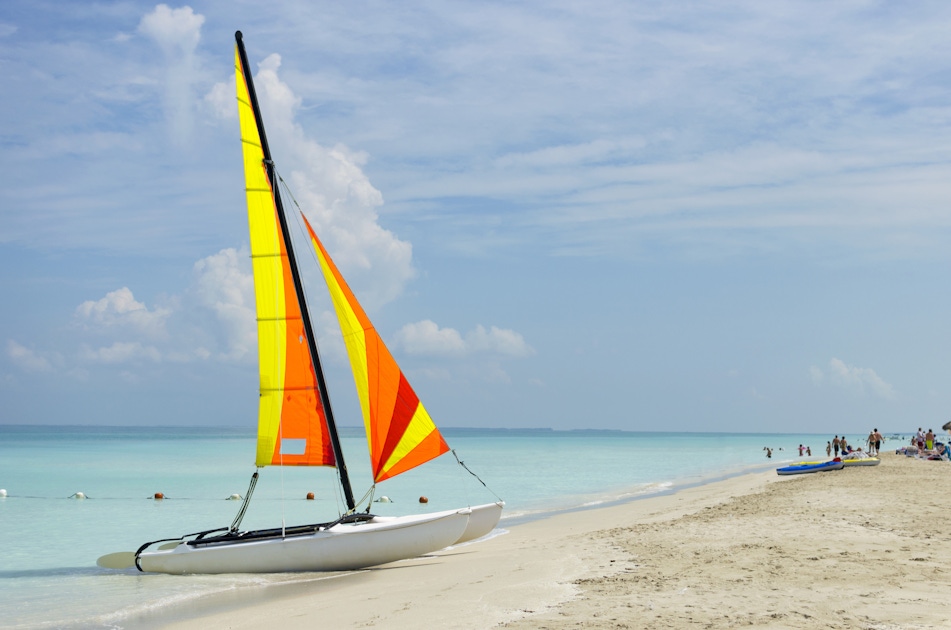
[
  {"x": 50, "y": 572},
  {"x": 209, "y": 588}
]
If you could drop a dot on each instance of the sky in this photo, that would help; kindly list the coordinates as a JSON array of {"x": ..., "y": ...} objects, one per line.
[{"x": 648, "y": 216}]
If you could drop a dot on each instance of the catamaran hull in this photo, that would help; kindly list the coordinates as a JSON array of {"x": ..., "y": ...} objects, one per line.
[
  {"x": 339, "y": 548},
  {"x": 483, "y": 520}
]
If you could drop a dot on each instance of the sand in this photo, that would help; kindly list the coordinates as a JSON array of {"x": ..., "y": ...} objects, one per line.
[{"x": 864, "y": 547}]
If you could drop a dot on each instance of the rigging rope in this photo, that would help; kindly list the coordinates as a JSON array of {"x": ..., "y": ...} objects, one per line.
[
  {"x": 236, "y": 523},
  {"x": 463, "y": 464},
  {"x": 368, "y": 497}
]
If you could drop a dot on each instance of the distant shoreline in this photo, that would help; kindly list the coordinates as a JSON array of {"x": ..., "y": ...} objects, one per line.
[{"x": 351, "y": 430}]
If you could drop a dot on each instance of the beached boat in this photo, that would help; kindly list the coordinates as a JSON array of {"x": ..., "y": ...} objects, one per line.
[
  {"x": 296, "y": 425},
  {"x": 861, "y": 461},
  {"x": 810, "y": 467}
]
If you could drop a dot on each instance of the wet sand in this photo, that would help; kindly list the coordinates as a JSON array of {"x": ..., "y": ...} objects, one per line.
[{"x": 864, "y": 547}]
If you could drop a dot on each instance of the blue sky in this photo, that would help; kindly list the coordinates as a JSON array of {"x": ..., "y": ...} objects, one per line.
[{"x": 727, "y": 216}]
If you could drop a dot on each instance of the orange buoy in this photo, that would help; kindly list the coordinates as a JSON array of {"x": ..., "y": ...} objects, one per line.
[
  {"x": 310, "y": 496},
  {"x": 158, "y": 495},
  {"x": 423, "y": 500}
]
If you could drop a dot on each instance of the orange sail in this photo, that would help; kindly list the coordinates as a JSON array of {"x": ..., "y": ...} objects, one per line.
[
  {"x": 400, "y": 433},
  {"x": 292, "y": 429}
]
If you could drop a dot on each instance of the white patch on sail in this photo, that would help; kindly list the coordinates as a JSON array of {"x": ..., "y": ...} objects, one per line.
[{"x": 293, "y": 446}]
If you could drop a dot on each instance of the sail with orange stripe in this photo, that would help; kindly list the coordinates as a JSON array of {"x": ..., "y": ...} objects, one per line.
[
  {"x": 292, "y": 425},
  {"x": 400, "y": 433}
]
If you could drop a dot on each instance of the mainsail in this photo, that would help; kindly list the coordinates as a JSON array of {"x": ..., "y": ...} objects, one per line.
[
  {"x": 292, "y": 421},
  {"x": 400, "y": 433},
  {"x": 292, "y": 425}
]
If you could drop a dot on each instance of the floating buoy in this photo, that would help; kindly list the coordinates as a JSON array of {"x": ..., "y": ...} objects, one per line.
[
  {"x": 423, "y": 500},
  {"x": 78, "y": 495},
  {"x": 158, "y": 495},
  {"x": 235, "y": 497},
  {"x": 3, "y": 492},
  {"x": 310, "y": 496},
  {"x": 383, "y": 499}
]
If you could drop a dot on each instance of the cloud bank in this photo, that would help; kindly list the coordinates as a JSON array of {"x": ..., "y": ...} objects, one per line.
[{"x": 855, "y": 379}]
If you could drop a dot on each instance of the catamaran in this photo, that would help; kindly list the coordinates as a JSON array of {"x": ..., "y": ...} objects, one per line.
[{"x": 296, "y": 426}]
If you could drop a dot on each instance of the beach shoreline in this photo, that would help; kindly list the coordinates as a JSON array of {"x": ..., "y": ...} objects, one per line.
[{"x": 838, "y": 549}]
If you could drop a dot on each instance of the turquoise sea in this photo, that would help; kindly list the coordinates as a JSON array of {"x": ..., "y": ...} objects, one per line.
[{"x": 51, "y": 540}]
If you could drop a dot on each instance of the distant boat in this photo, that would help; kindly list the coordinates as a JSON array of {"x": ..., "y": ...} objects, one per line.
[
  {"x": 810, "y": 467},
  {"x": 296, "y": 426}
]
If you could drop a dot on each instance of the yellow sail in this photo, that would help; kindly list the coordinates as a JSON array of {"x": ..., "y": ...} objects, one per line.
[
  {"x": 400, "y": 433},
  {"x": 292, "y": 429}
]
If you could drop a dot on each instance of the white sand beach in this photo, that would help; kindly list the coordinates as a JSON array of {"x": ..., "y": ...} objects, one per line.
[{"x": 864, "y": 547}]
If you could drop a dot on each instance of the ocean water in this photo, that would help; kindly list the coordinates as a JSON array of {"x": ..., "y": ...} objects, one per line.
[{"x": 51, "y": 540}]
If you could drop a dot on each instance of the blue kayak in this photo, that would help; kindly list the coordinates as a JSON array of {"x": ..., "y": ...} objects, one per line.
[{"x": 811, "y": 467}]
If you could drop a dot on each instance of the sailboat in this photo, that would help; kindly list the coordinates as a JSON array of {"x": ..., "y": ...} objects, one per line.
[{"x": 296, "y": 426}]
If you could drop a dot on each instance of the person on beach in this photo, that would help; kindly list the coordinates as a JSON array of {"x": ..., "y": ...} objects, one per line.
[
  {"x": 809, "y": 451},
  {"x": 929, "y": 440},
  {"x": 920, "y": 440},
  {"x": 835, "y": 445},
  {"x": 843, "y": 445},
  {"x": 828, "y": 449},
  {"x": 879, "y": 438}
]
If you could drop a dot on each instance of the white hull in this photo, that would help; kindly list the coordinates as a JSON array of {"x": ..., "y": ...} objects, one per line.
[
  {"x": 483, "y": 520},
  {"x": 339, "y": 548},
  {"x": 865, "y": 461}
]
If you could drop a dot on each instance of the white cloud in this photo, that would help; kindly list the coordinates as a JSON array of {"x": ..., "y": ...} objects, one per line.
[
  {"x": 26, "y": 358},
  {"x": 224, "y": 284},
  {"x": 120, "y": 309},
  {"x": 213, "y": 319},
  {"x": 572, "y": 155},
  {"x": 497, "y": 341},
  {"x": 856, "y": 379},
  {"x": 221, "y": 100},
  {"x": 332, "y": 190},
  {"x": 177, "y": 32},
  {"x": 494, "y": 373},
  {"x": 122, "y": 352},
  {"x": 427, "y": 338}
]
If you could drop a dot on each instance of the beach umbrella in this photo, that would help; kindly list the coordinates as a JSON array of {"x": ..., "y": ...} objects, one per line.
[{"x": 947, "y": 427}]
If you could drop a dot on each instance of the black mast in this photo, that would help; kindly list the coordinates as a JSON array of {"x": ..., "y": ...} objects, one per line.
[{"x": 298, "y": 286}]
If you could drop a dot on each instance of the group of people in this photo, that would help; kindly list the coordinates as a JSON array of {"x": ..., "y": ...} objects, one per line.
[
  {"x": 924, "y": 441},
  {"x": 925, "y": 445},
  {"x": 840, "y": 445}
]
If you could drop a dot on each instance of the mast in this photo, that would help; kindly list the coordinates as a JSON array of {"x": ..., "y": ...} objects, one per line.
[{"x": 298, "y": 285}]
